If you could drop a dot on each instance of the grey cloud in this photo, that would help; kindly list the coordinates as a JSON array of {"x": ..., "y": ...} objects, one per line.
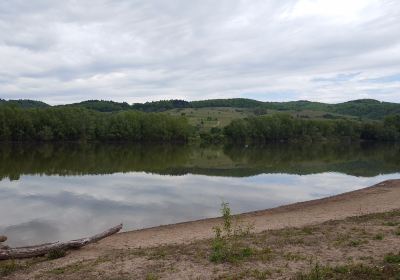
[{"x": 66, "y": 51}]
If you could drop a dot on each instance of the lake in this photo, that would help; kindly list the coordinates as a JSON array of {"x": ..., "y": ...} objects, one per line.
[{"x": 51, "y": 192}]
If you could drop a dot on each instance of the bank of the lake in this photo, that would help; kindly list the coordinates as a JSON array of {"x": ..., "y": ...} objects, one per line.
[{"x": 355, "y": 233}]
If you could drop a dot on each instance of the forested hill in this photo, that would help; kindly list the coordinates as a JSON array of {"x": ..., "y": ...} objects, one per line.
[
  {"x": 364, "y": 108},
  {"x": 24, "y": 103}
]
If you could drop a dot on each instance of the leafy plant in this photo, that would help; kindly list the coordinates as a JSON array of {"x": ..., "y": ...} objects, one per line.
[
  {"x": 56, "y": 254},
  {"x": 227, "y": 245},
  {"x": 379, "y": 236},
  {"x": 392, "y": 258},
  {"x": 8, "y": 267}
]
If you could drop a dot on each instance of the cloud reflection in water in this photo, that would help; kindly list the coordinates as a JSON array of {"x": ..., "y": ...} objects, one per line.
[{"x": 39, "y": 209}]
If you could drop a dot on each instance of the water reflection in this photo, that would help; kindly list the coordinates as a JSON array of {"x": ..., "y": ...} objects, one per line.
[
  {"x": 74, "y": 159},
  {"x": 60, "y": 192}
]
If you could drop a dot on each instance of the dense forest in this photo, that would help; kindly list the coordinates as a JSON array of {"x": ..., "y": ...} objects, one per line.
[
  {"x": 286, "y": 128},
  {"x": 363, "y": 108},
  {"x": 24, "y": 103},
  {"x": 80, "y": 124},
  {"x": 27, "y": 120}
]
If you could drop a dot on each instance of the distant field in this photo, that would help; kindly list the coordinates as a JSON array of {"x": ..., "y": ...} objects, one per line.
[{"x": 206, "y": 118}]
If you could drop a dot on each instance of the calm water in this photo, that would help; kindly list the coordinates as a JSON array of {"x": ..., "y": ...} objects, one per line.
[{"x": 61, "y": 192}]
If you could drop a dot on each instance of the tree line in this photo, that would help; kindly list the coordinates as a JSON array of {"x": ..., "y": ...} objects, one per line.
[
  {"x": 362, "y": 108},
  {"x": 80, "y": 124},
  {"x": 282, "y": 127}
]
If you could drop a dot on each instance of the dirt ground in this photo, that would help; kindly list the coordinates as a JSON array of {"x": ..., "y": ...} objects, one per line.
[{"x": 359, "y": 227}]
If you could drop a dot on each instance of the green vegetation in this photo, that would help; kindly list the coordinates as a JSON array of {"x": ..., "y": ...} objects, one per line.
[
  {"x": 79, "y": 124},
  {"x": 56, "y": 254},
  {"x": 232, "y": 102},
  {"x": 152, "y": 276},
  {"x": 393, "y": 258},
  {"x": 160, "y": 106},
  {"x": 226, "y": 245},
  {"x": 8, "y": 267},
  {"x": 209, "y": 121},
  {"x": 24, "y": 103},
  {"x": 379, "y": 236},
  {"x": 389, "y": 269},
  {"x": 204, "y": 120},
  {"x": 286, "y": 128},
  {"x": 102, "y": 106},
  {"x": 362, "y": 108}
]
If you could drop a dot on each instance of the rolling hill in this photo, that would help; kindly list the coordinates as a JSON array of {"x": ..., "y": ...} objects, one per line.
[{"x": 362, "y": 108}]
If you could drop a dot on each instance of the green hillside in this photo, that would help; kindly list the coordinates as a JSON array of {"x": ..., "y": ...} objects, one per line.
[
  {"x": 24, "y": 103},
  {"x": 362, "y": 108},
  {"x": 367, "y": 108},
  {"x": 101, "y": 105}
]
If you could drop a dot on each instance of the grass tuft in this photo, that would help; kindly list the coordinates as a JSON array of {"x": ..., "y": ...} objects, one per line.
[
  {"x": 152, "y": 276},
  {"x": 56, "y": 254},
  {"x": 350, "y": 272},
  {"x": 8, "y": 267},
  {"x": 379, "y": 236},
  {"x": 393, "y": 258}
]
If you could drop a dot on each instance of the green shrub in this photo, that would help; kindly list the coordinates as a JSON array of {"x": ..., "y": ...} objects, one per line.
[
  {"x": 56, "y": 254},
  {"x": 392, "y": 258},
  {"x": 391, "y": 224},
  {"x": 378, "y": 236},
  {"x": 8, "y": 267},
  {"x": 227, "y": 245}
]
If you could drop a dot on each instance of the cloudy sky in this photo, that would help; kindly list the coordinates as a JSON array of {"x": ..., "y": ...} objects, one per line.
[{"x": 135, "y": 51}]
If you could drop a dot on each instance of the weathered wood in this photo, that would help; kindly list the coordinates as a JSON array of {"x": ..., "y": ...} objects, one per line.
[{"x": 40, "y": 250}]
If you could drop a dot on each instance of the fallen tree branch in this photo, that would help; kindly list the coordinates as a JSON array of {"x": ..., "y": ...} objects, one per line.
[{"x": 43, "y": 249}]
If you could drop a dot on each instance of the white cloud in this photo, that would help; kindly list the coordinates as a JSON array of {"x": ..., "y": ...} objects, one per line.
[{"x": 67, "y": 51}]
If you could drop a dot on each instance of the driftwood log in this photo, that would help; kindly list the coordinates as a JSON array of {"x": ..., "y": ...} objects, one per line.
[{"x": 43, "y": 249}]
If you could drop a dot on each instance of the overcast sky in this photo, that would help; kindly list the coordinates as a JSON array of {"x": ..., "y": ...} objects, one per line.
[{"x": 321, "y": 50}]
